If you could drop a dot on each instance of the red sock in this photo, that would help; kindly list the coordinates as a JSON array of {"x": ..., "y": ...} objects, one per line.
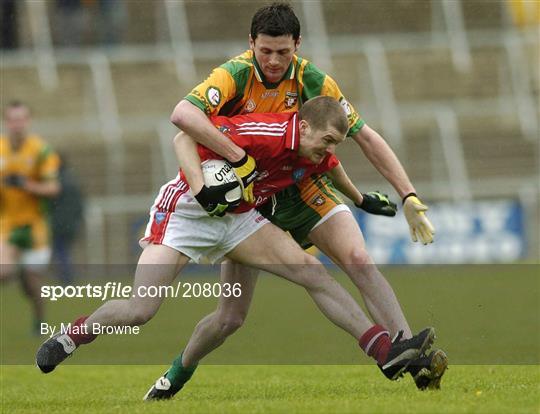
[
  {"x": 376, "y": 343},
  {"x": 81, "y": 333}
]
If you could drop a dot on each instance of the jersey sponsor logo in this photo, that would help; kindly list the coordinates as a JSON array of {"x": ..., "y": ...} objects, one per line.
[
  {"x": 213, "y": 95},
  {"x": 345, "y": 105},
  {"x": 318, "y": 200},
  {"x": 223, "y": 129},
  {"x": 250, "y": 105},
  {"x": 287, "y": 168},
  {"x": 262, "y": 175},
  {"x": 298, "y": 174},
  {"x": 269, "y": 94},
  {"x": 290, "y": 99}
]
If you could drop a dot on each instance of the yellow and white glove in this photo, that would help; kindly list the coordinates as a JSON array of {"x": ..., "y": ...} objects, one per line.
[
  {"x": 419, "y": 225},
  {"x": 246, "y": 174}
]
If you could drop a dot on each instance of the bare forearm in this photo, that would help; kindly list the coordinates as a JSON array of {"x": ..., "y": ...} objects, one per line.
[
  {"x": 195, "y": 123},
  {"x": 49, "y": 188},
  {"x": 188, "y": 157},
  {"x": 344, "y": 184},
  {"x": 384, "y": 160}
]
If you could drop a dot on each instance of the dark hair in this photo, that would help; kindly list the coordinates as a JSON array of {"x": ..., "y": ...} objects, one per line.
[
  {"x": 323, "y": 110},
  {"x": 278, "y": 19}
]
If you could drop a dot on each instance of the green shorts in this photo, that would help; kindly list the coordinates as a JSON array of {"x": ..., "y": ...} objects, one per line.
[{"x": 298, "y": 208}]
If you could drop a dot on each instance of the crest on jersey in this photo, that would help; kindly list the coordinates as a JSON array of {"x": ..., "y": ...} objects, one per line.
[
  {"x": 290, "y": 99},
  {"x": 345, "y": 105},
  {"x": 250, "y": 105},
  {"x": 213, "y": 95},
  {"x": 159, "y": 217},
  {"x": 223, "y": 129},
  {"x": 318, "y": 200},
  {"x": 298, "y": 174}
]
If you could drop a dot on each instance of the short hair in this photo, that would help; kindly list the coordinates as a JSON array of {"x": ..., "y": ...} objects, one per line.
[
  {"x": 277, "y": 19},
  {"x": 321, "y": 111}
]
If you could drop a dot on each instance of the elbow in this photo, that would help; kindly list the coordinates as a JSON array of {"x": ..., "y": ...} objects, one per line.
[
  {"x": 55, "y": 190},
  {"x": 180, "y": 114},
  {"x": 178, "y": 138}
]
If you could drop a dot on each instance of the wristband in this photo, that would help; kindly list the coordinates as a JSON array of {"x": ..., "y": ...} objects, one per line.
[
  {"x": 407, "y": 196},
  {"x": 239, "y": 163}
]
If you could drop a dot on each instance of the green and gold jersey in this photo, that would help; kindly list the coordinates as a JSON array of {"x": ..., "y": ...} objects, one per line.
[{"x": 238, "y": 87}]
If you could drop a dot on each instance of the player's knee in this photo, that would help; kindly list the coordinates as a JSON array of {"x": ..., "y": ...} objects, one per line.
[
  {"x": 140, "y": 315},
  {"x": 228, "y": 324},
  {"x": 312, "y": 273},
  {"x": 7, "y": 272},
  {"x": 358, "y": 261}
]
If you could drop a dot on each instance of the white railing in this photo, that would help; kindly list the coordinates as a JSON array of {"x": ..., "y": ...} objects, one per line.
[
  {"x": 454, "y": 157},
  {"x": 316, "y": 33},
  {"x": 180, "y": 41},
  {"x": 456, "y": 33},
  {"x": 383, "y": 92},
  {"x": 520, "y": 79},
  {"x": 109, "y": 121},
  {"x": 42, "y": 43}
]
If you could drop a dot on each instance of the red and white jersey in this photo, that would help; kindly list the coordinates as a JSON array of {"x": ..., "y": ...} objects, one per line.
[{"x": 272, "y": 140}]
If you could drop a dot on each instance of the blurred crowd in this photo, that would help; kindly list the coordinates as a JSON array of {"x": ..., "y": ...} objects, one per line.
[{"x": 74, "y": 22}]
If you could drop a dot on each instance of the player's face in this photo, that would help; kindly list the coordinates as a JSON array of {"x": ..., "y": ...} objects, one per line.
[
  {"x": 273, "y": 54},
  {"x": 17, "y": 120},
  {"x": 316, "y": 144}
]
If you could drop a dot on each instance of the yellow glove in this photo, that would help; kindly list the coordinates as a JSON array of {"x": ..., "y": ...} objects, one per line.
[
  {"x": 246, "y": 174},
  {"x": 419, "y": 225}
]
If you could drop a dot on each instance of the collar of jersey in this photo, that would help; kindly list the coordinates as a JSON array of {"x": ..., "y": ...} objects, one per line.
[{"x": 289, "y": 74}]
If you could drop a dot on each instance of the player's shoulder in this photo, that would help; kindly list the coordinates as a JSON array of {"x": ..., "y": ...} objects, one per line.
[
  {"x": 239, "y": 64},
  {"x": 307, "y": 70},
  {"x": 36, "y": 141},
  {"x": 39, "y": 146}
]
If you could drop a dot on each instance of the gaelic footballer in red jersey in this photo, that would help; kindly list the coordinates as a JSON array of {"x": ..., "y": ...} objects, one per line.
[
  {"x": 180, "y": 229},
  {"x": 286, "y": 149}
]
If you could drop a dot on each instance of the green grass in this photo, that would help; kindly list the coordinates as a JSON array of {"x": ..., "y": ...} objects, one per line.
[
  {"x": 267, "y": 389},
  {"x": 487, "y": 320}
]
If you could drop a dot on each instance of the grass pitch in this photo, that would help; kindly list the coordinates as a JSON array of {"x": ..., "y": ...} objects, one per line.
[
  {"x": 487, "y": 320},
  {"x": 270, "y": 389}
]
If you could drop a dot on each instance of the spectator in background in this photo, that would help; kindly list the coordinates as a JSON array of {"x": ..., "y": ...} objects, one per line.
[
  {"x": 112, "y": 19},
  {"x": 28, "y": 175},
  {"x": 90, "y": 21},
  {"x": 66, "y": 216},
  {"x": 8, "y": 24},
  {"x": 72, "y": 19}
]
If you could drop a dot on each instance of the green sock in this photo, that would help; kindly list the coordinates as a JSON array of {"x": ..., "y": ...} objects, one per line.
[{"x": 178, "y": 374}]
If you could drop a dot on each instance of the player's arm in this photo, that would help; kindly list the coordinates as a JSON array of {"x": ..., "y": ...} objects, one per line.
[
  {"x": 385, "y": 161},
  {"x": 212, "y": 199},
  {"x": 194, "y": 122},
  {"x": 47, "y": 184},
  {"x": 190, "y": 115},
  {"x": 47, "y": 188},
  {"x": 190, "y": 162},
  {"x": 372, "y": 202}
]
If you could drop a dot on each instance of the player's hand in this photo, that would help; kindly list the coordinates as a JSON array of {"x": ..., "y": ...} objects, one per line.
[
  {"x": 212, "y": 199},
  {"x": 378, "y": 204},
  {"x": 419, "y": 225},
  {"x": 246, "y": 173},
  {"x": 15, "y": 180}
]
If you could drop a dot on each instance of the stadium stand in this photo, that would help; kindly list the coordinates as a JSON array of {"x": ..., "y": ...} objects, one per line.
[{"x": 494, "y": 107}]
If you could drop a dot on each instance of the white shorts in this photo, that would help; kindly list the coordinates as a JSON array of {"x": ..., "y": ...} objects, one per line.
[
  {"x": 36, "y": 259},
  {"x": 189, "y": 229}
]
